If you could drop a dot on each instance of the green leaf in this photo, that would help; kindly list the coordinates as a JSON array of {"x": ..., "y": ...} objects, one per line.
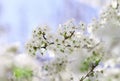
[
  {"x": 94, "y": 59},
  {"x": 84, "y": 67},
  {"x": 22, "y": 72}
]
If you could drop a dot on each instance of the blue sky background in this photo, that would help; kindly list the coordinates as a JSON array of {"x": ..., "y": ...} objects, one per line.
[{"x": 19, "y": 17}]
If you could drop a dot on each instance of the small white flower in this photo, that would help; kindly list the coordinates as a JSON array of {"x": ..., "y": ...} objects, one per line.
[{"x": 114, "y": 3}]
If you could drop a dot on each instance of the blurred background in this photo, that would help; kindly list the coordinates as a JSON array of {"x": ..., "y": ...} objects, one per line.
[{"x": 19, "y": 17}]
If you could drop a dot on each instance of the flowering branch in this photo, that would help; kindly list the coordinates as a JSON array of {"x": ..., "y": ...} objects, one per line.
[{"x": 90, "y": 72}]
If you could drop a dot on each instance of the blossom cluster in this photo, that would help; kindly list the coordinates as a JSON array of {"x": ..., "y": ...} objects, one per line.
[
  {"x": 80, "y": 52},
  {"x": 75, "y": 52}
]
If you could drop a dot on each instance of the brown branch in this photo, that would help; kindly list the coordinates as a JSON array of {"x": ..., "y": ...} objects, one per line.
[
  {"x": 90, "y": 72},
  {"x": 67, "y": 37},
  {"x": 94, "y": 47}
]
